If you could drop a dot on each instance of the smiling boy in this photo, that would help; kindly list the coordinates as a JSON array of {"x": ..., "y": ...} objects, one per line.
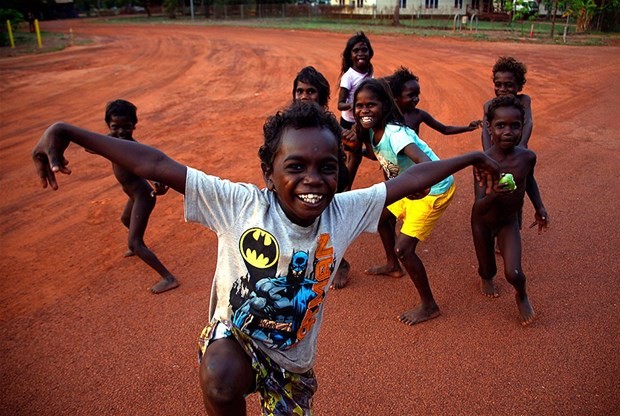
[
  {"x": 278, "y": 247},
  {"x": 496, "y": 208}
]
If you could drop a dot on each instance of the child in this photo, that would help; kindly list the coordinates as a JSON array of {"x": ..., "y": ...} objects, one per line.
[
  {"x": 509, "y": 79},
  {"x": 121, "y": 118},
  {"x": 278, "y": 247},
  {"x": 310, "y": 85},
  {"x": 397, "y": 147},
  {"x": 356, "y": 67},
  {"x": 405, "y": 88},
  {"x": 495, "y": 211}
]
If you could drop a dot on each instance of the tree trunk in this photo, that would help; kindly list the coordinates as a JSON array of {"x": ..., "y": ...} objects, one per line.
[
  {"x": 396, "y": 21},
  {"x": 555, "y": 11}
]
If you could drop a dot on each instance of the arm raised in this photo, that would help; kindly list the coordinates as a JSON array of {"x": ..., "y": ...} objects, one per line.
[
  {"x": 142, "y": 160},
  {"x": 422, "y": 176}
]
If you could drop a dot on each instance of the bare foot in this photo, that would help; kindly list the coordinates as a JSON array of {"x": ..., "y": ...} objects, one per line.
[
  {"x": 488, "y": 288},
  {"x": 164, "y": 285},
  {"x": 129, "y": 253},
  {"x": 342, "y": 275},
  {"x": 525, "y": 310},
  {"x": 386, "y": 270},
  {"x": 419, "y": 314}
]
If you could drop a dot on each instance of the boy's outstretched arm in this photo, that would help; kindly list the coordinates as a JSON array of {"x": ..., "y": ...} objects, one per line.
[
  {"x": 448, "y": 130},
  {"x": 144, "y": 161},
  {"x": 422, "y": 176}
]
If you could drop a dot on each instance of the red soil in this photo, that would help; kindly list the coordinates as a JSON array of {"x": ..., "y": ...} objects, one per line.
[{"x": 81, "y": 334}]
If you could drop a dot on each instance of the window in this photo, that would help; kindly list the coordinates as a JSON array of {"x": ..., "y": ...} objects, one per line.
[
  {"x": 431, "y": 4},
  {"x": 458, "y": 4},
  {"x": 403, "y": 4}
]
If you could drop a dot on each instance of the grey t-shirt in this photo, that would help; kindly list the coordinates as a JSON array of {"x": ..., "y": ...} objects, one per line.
[{"x": 272, "y": 276}]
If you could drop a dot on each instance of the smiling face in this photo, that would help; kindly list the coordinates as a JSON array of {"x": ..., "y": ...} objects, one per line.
[
  {"x": 121, "y": 127},
  {"x": 304, "y": 173},
  {"x": 506, "y": 127},
  {"x": 505, "y": 83},
  {"x": 409, "y": 97},
  {"x": 360, "y": 56},
  {"x": 368, "y": 110}
]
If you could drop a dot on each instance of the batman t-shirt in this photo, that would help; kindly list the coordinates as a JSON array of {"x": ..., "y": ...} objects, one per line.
[{"x": 272, "y": 276}]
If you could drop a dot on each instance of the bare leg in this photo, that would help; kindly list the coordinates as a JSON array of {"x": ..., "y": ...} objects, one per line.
[
  {"x": 428, "y": 309},
  {"x": 126, "y": 220},
  {"x": 509, "y": 239},
  {"x": 226, "y": 375},
  {"x": 342, "y": 275},
  {"x": 392, "y": 268},
  {"x": 143, "y": 206},
  {"x": 484, "y": 241}
]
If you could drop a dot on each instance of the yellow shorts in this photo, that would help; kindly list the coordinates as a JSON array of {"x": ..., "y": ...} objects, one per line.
[{"x": 419, "y": 216}]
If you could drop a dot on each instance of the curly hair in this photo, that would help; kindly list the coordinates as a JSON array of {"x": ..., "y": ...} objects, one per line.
[
  {"x": 504, "y": 101},
  {"x": 309, "y": 75},
  {"x": 510, "y": 64},
  {"x": 121, "y": 108},
  {"x": 399, "y": 78},
  {"x": 300, "y": 115},
  {"x": 347, "y": 62}
]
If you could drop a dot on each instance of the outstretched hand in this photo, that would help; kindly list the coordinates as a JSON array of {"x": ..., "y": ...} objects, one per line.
[
  {"x": 486, "y": 172},
  {"x": 541, "y": 218},
  {"x": 48, "y": 157},
  {"x": 476, "y": 124}
]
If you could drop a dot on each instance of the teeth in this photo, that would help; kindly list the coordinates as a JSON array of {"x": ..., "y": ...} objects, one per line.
[
  {"x": 310, "y": 198},
  {"x": 366, "y": 119}
]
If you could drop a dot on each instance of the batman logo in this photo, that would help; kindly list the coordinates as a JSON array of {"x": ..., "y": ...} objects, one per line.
[{"x": 259, "y": 248}]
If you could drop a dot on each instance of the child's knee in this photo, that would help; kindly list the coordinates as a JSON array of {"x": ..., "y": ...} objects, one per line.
[{"x": 514, "y": 276}]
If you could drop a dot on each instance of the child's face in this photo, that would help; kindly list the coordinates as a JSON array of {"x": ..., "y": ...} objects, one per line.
[
  {"x": 505, "y": 84},
  {"x": 506, "y": 127},
  {"x": 409, "y": 97},
  {"x": 368, "y": 109},
  {"x": 306, "y": 92},
  {"x": 304, "y": 174},
  {"x": 360, "y": 56},
  {"x": 121, "y": 127}
]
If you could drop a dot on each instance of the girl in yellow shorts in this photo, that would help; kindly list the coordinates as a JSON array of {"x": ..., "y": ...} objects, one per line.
[{"x": 397, "y": 147}]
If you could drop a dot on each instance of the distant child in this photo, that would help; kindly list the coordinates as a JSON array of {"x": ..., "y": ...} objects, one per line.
[
  {"x": 405, "y": 87},
  {"x": 356, "y": 67},
  {"x": 121, "y": 118},
  {"x": 397, "y": 147},
  {"x": 278, "y": 247},
  {"x": 495, "y": 211},
  {"x": 310, "y": 85},
  {"x": 509, "y": 79}
]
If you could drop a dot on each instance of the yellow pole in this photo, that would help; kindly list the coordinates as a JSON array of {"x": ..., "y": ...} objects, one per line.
[
  {"x": 8, "y": 26},
  {"x": 36, "y": 26}
]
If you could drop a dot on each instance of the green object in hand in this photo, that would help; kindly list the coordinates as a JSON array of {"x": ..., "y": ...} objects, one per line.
[{"x": 508, "y": 181}]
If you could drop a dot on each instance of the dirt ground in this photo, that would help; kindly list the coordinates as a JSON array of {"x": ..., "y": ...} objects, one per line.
[{"x": 82, "y": 336}]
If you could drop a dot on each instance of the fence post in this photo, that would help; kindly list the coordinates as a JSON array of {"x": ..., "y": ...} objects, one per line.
[
  {"x": 36, "y": 27},
  {"x": 8, "y": 26}
]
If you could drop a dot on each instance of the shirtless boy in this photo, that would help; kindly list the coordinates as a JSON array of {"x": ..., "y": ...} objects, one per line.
[{"x": 496, "y": 207}]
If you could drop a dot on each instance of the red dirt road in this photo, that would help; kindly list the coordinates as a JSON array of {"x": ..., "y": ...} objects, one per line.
[{"x": 82, "y": 336}]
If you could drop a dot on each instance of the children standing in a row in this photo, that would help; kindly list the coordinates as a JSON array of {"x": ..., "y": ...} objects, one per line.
[{"x": 265, "y": 310}]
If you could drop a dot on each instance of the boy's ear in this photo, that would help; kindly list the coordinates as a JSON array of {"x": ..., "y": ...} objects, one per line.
[{"x": 267, "y": 172}]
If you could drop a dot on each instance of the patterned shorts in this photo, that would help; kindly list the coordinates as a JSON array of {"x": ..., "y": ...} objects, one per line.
[{"x": 281, "y": 392}]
